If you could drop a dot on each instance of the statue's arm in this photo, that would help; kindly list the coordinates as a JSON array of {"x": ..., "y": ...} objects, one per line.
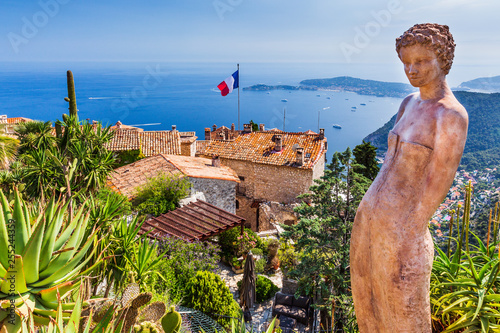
[
  {"x": 451, "y": 134},
  {"x": 402, "y": 107}
]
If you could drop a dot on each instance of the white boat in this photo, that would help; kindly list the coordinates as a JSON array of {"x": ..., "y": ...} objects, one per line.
[{"x": 337, "y": 126}]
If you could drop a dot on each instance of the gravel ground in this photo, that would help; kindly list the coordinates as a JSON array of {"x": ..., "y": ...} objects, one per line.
[{"x": 261, "y": 313}]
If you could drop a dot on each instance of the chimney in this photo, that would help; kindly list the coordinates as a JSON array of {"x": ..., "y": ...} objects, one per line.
[
  {"x": 247, "y": 128},
  {"x": 300, "y": 156},
  {"x": 232, "y": 127},
  {"x": 214, "y": 127},
  {"x": 174, "y": 127},
  {"x": 118, "y": 124},
  {"x": 207, "y": 134},
  {"x": 216, "y": 161},
  {"x": 261, "y": 127},
  {"x": 279, "y": 142},
  {"x": 321, "y": 133}
]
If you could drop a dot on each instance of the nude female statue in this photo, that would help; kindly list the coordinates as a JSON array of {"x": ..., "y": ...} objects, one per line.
[{"x": 391, "y": 247}]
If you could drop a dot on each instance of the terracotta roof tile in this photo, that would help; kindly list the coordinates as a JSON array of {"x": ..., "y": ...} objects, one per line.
[
  {"x": 151, "y": 143},
  {"x": 258, "y": 147},
  {"x": 160, "y": 142},
  {"x": 127, "y": 178},
  {"x": 124, "y": 140},
  {"x": 17, "y": 120},
  {"x": 199, "y": 167}
]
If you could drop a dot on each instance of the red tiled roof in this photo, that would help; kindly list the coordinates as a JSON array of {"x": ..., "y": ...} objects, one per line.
[
  {"x": 197, "y": 220},
  {"x": 17, "y": 120},
  {"x": 160, "y": 142},
  {"x": 127, "y": 178},
  {"x": 199, "y": 167},
  {"x": 258, "y": 147},
  {"x": 124, "y": 140},
  {"x": 151, "y": 143}
]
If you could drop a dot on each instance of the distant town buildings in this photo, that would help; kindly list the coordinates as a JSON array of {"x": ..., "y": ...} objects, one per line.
[{"x": 480, "y": 198}]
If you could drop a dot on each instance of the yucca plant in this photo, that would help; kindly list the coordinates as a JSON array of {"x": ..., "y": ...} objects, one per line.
[
  {"x": 41, "y": 256},
  {"x": 465, "y": 283}
]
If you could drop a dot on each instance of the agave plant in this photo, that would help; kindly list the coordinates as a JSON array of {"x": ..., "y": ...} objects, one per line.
[
  {"x": 41, "y": 256},
  {"x": 465, "y": 284}
]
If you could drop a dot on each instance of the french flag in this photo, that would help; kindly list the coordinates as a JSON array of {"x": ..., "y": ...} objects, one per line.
[{"x": 229, "y": 84}]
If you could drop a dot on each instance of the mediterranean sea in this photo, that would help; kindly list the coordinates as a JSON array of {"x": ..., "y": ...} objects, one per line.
[{"x": 186, "y": 95}]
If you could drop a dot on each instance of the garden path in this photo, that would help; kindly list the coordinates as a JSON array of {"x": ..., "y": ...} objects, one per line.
[{"x": 261, "y": 313}]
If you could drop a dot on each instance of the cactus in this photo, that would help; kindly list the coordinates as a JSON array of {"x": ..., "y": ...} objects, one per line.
[
  {"x": 146, "y": 327},
  {"x": 71, "y": 95},
  {"x": 129, "y": 313},
  {"x": 58, "y": 127},
  {"x": 171, "y": 322}
]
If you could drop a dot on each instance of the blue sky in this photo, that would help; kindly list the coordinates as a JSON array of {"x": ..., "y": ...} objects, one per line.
[{"x": 238, "y": 30}]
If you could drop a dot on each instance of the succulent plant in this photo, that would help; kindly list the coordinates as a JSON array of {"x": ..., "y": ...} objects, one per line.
[
  {"x": 171, "y": 322},
  {"x": 41, "y": 256},
  {"x": 128, "y": 311},
  {"x": 71, "y": 99}
]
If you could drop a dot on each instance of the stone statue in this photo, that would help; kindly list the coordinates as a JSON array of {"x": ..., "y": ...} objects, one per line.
[{"x": 391, "y": 247}]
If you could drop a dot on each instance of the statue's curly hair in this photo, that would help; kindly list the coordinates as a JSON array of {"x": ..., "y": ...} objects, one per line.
[{"x": 435, "y": 36}]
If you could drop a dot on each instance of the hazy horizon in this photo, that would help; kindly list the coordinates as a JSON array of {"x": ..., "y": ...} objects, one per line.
[{"x": 354, "y": 32}]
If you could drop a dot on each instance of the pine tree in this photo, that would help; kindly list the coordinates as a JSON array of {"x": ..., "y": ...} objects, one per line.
[
  {"x": 322, "y": 236},
  {"x": 365, "y": 156}
]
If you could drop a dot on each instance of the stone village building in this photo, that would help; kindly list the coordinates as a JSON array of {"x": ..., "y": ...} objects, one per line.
[
  {"x": 273, "y": 167},
  {"x": 150, "y": 143},
  {"x": 211, "y": 181}
]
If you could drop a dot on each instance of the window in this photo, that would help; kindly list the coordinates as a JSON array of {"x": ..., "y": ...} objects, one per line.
[
  {"x": 237, "y": 204},
  {"x": 241, "y": 178}
]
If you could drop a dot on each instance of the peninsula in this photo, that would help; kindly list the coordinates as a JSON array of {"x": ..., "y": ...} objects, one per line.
[{"x": 345, "y": 83}]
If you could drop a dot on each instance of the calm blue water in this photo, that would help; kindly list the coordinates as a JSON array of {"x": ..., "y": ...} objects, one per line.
[{"x": 186, "y": 95}]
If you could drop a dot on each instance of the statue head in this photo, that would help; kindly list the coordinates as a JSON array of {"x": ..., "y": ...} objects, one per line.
[{"x": 434, "y": 36}]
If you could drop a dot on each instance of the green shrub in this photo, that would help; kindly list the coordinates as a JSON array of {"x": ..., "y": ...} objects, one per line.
[
  {"x": 287, "y": 256},
  {"x": 161, "y": 194},
  {"x": 265, "y": 289},
  {"x": 207, "y": 293},
  {"x": 260, "y": 265},
  {"x": 258, "y": 252},
  {"x": 230, "y": 241},
  {"x": 184, "y": 259}
]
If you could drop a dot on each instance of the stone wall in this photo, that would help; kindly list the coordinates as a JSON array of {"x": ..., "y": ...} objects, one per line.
[
  {"x": 267, "y": 193},
  {"x": 275, "y": 213},
  {"x": 246, "y": 211},
  {"x": 188, "y": 147},
  {"x": 270, "y": 182},
  {"x": 220, "y": 193}
]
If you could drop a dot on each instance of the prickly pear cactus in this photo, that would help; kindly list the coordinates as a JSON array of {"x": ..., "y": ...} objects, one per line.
[
  {"x": 172, "y": 321},
  {"x": 146, "y": 327}
]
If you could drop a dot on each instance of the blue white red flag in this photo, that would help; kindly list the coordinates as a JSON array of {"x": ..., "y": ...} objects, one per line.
[{"x": 229, "y": 84}]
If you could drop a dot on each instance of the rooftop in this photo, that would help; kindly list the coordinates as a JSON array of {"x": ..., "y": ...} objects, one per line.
[
  {"x": 150, "y": 142},
  {"x": 197, "y": 220},
  {"x": 259, "y": 147},
  {"x": 127, "y": 178}
]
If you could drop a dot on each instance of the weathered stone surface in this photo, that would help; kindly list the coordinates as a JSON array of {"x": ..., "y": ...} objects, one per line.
[
  {"x": 272, "y": 213},
  {"x": 220, "y": 193},
  {"x": 391, "y": 247}
]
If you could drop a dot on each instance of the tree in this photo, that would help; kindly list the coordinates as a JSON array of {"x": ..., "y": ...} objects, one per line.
[
  {"x": 8, "y": 150},
  {"x": 322, "y": 236},
  {"x": 365, "y": 157},
  {"x": 34, "y": 135}
]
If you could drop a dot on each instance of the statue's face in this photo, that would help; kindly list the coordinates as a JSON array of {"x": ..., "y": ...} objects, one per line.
[{"x": 421, "y": 65}]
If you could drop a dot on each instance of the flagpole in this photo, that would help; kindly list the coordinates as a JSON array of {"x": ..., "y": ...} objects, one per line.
[{"x": 238, "y": 97}]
